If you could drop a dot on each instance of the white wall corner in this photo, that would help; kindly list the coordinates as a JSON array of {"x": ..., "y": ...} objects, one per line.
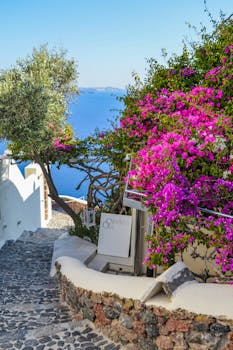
[
  {"x": 22, "y": 202},
  {"x": 45, "y": 200}
]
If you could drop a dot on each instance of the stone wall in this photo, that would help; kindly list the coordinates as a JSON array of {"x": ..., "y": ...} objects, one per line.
[{"x": 138, "y": 326}]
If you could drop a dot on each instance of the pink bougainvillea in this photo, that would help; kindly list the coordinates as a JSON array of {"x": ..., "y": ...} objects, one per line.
[
  {"x": 61, "y": 146},
  {"x": 184, "y": 164},
  {"x": 64, "y": 143}
]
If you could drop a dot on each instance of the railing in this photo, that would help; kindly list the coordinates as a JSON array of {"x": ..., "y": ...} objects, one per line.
[
  {"x": 137, "y": 204},
  {"x": 133, "y": 199},
  {"x": 208, "y": 211},
  {"x": 131, "y": 202},
  {"x": 129, "y": 199}
]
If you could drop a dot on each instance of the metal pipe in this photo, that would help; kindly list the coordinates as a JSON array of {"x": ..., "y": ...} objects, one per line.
[
  {"x": 135, "y": 192},
  {"x": 216, "y": 213}
]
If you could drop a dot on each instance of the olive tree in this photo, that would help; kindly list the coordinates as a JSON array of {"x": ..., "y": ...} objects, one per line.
[{"x": 34, "y": 97}]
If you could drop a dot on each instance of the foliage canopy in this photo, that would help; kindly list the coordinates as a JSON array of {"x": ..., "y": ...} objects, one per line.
[
  {"x": 177, "y": 126},
  {"x": 33, "y": 103},
  {"x": 34, "y": 98}
]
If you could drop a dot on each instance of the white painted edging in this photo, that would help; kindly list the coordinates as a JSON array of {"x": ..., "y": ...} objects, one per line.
[
  {"x": 72, "y": 247},
  {"x": 124, "y": 286},
  {"x": 208, "y": 299},
  {"x": 201, "y": 298}
]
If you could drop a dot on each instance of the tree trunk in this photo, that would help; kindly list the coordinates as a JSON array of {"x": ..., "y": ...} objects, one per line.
[{"x": 54, "y": 194}]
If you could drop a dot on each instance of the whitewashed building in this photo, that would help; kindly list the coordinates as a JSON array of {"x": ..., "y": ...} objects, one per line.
[{"x": 24, "y": 201}]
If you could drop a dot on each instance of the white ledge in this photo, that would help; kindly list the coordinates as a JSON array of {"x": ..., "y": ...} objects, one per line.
[
  {"x": 201, "y": 298},
  {"x": 99, "y": 282},
  {"x": 207, "y": 299}
]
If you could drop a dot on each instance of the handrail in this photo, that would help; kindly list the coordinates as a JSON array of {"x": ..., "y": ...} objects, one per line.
[
  {"x": 135, "y": 192},
  {"x": 208, "y": 211}
]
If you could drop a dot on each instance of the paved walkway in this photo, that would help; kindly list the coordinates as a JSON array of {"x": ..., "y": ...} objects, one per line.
[{"x": 31, "y": 316}]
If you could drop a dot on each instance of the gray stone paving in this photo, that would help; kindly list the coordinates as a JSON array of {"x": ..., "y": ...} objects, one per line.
[{"x": 31, "y": 316}]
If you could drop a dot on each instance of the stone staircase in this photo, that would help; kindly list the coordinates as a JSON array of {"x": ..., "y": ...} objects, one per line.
[{"x": 31, "y": 315}]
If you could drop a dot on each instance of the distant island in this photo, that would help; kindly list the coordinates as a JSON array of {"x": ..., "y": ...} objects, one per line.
[{"x": 92, "y": 90}]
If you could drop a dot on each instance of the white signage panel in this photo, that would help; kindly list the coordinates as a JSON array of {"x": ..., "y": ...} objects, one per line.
[{"x": 114, "y": 235}]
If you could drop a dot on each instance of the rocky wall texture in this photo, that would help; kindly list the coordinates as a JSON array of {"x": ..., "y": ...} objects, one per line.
[{"x": 138, "y": 326}]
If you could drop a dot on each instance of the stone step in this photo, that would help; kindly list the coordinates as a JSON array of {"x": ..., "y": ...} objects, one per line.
[
  {"x": 31, "y": 316},
  {"x": 66, "y": 335},
  {"x": 11, "y": 307},
  {"x": 57, "y": 328},
  {"x": 99, "y": 263}
]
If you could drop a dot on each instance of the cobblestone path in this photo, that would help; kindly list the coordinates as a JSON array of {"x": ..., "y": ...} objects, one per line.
[{"x": 31, "y": 316}]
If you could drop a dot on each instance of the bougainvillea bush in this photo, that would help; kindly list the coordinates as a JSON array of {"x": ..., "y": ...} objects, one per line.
[
  {"x": 186, "y": 164},
  {"x": 178, "y": 128}
]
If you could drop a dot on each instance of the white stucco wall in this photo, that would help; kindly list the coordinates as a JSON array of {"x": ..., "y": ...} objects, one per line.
[
  {"x": 34, "y": 169},
  {"x": 21, "y": 200}
]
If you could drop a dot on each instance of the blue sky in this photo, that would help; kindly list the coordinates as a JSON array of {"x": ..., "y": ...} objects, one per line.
[{"x": 108, "y": 38}]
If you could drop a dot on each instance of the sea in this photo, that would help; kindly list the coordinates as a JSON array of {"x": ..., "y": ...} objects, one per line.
[{"x": 92, "y": 108}]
